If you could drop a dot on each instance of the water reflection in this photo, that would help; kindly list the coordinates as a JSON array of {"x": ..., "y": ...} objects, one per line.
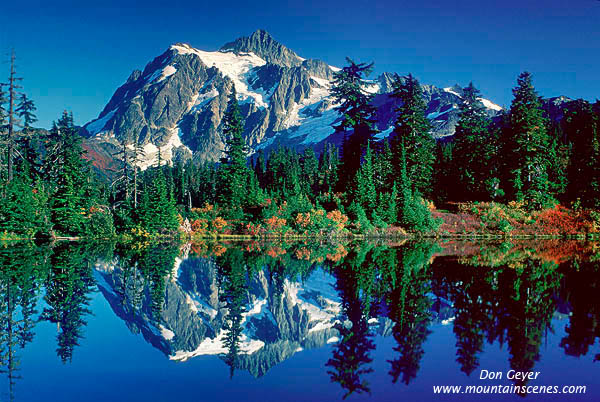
[{"x": 256, "y": 305}]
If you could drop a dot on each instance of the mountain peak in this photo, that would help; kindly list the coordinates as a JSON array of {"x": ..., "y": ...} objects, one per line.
[{"x": 262, "y": 44}]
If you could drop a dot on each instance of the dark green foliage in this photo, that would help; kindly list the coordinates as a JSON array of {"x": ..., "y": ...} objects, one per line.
[
  {"x": 328, "y": 168},
  {"x": 157, "y": 212},
  {"x": 68, "y": 285},
  {"x": 411, "y": 131},
  {"x": 357, "y": 123},
  {"x": 26, "y": 110},
  {"x": 527, "y": 147},
  {"x": 473, "y": 148},
  {"x": 351, "y": 356},
  {"x": 24, "y": 207},
  {"x": 410, "y": 310},
  {"x": 366, "y": 194},
  {"x": 583, "y": 126},
  {"x": 413, "y": 214},
  {"x": 68, "y": 174},
  {"x": 234, "y": 172},
  {"x": 22, "y": 271},
  {"x": 232, "y": 279}
]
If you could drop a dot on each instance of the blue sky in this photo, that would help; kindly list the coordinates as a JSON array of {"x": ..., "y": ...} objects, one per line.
[{"x": 73, "y": 54}]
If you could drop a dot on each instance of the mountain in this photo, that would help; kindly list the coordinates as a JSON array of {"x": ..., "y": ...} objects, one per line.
[{"x": 176, "y": 104}]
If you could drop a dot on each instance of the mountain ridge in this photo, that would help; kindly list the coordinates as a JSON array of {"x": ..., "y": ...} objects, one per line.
[{"x": 175, "y": 105}]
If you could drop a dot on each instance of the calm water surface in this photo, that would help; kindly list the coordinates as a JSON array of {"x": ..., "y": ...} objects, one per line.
[{"x": 297, "y": 322}]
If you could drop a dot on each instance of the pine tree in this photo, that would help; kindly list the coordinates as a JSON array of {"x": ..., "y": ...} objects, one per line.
[
  {"x": 472, "y": 147},
  {"x": 68, "y": 172},
  {"x": 348, "y": 90},
  {"x": 366, "y": 193},
  {"x": 138, "y": 157},
  {"x": 412, "y": 130},
  {"x": 234, "y": 170},
  {"x": 26, "y": 111},
  {"x": 310, "y": 169},
  {"x": 12, "y": 118},
  {"x": 583, "y": 128},
  {"x": 3, "y": 128},
  {"x": 527, "y": 147},
  {"x": 328, "y": 168},
  {"x": 157, "y": 211}
]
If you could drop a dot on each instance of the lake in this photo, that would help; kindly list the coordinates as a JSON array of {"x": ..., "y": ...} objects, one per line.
[{"x": 372, "y": 321}]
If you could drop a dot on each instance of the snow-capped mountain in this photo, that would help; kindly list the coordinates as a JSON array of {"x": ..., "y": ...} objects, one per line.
[{"x": 177, "y": 102}]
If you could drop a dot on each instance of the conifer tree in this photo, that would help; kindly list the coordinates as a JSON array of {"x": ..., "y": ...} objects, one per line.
[
  {"x": 11, "y": 137},
  {"x": 328, "y": 168},
  {"x": 310, "y": 168},
  {"x": 366, "y": 194},
  {"x": 234, "y": 171},
  {"x": 348, "y": 90},
  {"x": 65, "y": 168},
  {"x": 26, "y": 111},
  {"x": 472, "y": 147},
  {"x": 583, "y": 128},
  {"x": 527, "y": 147},
  {"x": 412, "y": 130},
  {"x": 157, "y": 209},
  {"x": 3, "y": 128}
]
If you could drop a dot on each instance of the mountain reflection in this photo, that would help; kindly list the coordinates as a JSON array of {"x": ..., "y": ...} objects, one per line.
[{"x": 256, "y": 305}]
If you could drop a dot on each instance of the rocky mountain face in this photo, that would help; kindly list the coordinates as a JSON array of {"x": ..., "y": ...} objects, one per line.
[{"x": 176, "y": 104}]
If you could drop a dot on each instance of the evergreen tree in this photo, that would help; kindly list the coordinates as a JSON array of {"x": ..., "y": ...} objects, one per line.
[
  {"x": 23, "y": 208},
  {"x": 527, "y": 147},
  {"x": 472, "y": 148},
  {"x": 366, "y": 194},
  {"x": 157, "y": 211},
  {"x": 348, "y": 90},
  {"x": 65, "y": 168},
  {"x": 412, "y": 130},
  {"x": 583, "y": 128},
  {"x": 232, "y": 270},
  {"x": 67, "y": 287},
  {"x": 26, "y": 111},
  {"x": 11, "y": 138},
  {"x": 328, "y": 168},
  {"x": 310, "y": 169},
  {"x": 234, "y": 171}
]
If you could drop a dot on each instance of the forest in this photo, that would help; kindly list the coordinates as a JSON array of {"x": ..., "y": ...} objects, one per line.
[{"x": 519, "y": 173}]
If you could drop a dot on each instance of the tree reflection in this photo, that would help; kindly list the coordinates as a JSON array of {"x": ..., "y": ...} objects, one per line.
[
  {"x": 528, "y": 294},
  {"x": 351, "y": 356},
  {"x": 233, "y": 285},
  {"x": 68, "y": 285},
  {"x": 20, "y": 271},
  {"x": 582, "y": 285},
  {"x": 409, "y": 309}
]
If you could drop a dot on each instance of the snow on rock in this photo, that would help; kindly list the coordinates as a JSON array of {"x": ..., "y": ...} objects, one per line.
[
  {"x": 160, "y": 74},
  {"x": 333, "y": 339},
  {"x": 166, "y": 151},
  {"x": 315, "y": 129},
  {"x": 385, "y": 133},
  {"x": 166, "y": 333},
  {"x": 318, "y": 284},
  {"x": 490, "y": 105},
  {"x": 435, "y": 115},
  {"x": 216, "y": 345},
  {"x": 236, "y": 67},
  {"x": 451, "y": 91},
  {"x": 97, "y": 125}
]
